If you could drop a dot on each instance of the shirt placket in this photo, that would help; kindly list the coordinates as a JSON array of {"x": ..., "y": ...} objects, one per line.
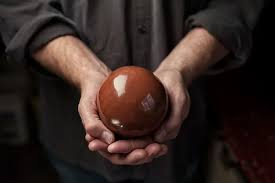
[{"x": 141, "y": 43}]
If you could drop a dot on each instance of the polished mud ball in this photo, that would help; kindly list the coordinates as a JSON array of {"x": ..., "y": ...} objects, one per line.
[{"x": 132, "y": 102}]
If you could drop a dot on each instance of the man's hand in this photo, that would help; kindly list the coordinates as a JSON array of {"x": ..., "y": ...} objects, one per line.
[
  {"x": 101, "y": 139},
  {"x": 69, "y": 58},
  {"x": 179, "y": 102},
  {"x": 87, "y": 109},
  {"x": 144, "y": 150},
  {"x": 194, "y": 54},
  {"x": 134, "y": 151},
  {"x": 130, "y": 151}
]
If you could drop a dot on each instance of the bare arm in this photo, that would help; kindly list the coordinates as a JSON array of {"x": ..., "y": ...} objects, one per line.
[
  {"x": 76, "y": 63},
  {"x": 229, "y": 21},
  {"x": 70, "y": 59},
  {"x": 194, "y": 54}
]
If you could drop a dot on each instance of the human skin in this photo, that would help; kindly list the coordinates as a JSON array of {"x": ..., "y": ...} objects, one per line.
[{"x": 69, "y": 58}]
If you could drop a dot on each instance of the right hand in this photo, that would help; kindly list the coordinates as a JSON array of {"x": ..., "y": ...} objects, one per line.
[
  {"x": 87, "y": 109},
  {"x": 128, "y": 152}
]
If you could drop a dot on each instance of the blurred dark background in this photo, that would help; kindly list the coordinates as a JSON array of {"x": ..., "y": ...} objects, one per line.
[{"x": 22, "y": 158}]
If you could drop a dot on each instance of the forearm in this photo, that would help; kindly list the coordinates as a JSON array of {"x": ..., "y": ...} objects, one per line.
[
  {"x": 194, "y": 54},
  {"x": 70, "y": 59}
]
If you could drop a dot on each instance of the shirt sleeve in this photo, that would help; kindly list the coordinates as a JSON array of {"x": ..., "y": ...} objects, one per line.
[
  {"x": 231, "y": 22},
  {"x": 27, "y": 25}
]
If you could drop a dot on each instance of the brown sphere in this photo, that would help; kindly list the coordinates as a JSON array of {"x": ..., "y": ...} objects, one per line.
[{"x": 132, "y": 102}]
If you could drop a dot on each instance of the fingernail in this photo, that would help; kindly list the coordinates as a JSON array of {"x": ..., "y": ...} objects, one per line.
[
  {"x": 91, "y": 147},
  {"x": 108, "y": 137},
  {"x": 87, "y": 137},
  {"x": 110, "y": 149}
]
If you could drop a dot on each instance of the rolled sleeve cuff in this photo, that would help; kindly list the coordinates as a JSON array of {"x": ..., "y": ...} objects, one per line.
[
  {"x": 235, "y": 36},
  {"x": 37, "y": 33},
  {"x": 40, "y": 39},
  {"x": 49, "y": 33}
]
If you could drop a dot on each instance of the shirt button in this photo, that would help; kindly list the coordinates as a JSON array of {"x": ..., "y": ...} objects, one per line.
[{"x": 142, "y": 29}]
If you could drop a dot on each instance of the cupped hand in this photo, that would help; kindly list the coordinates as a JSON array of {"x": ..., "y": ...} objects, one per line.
[
  {"x": 87, "y": 109},
  {"x": 129, "y": 152},
  {"x": 179, "y": 99}
]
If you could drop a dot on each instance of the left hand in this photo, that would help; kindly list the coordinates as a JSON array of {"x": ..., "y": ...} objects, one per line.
[
  {"x": 179, "y": 100},
  {"x": 128, "y": 152}
]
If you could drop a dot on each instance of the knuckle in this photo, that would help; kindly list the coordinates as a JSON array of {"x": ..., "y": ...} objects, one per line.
[
  {"x": 88, "y": 137},
  {"x": 174, "y": 134},
  {"x": 93, "y": 128},
  {"x": 87, "y": 125},
  {"x": 181, "y": 99},
  {"x": 172, "y": 126},
  {"x": 131, "y": 145},
  {"x": 183, "y": 103}
]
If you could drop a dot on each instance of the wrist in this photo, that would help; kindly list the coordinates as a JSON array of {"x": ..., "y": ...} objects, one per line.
[
  {"x": 194, "y": 54},
  {"x": 92, "y": 80},
  {"x": 185, "y": 71}
]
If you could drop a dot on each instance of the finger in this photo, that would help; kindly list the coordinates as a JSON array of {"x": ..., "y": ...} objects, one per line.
[
  {"x": 97, "y": 145},
  {"x": 153, "y": 150},
  {"x": 179, "y": 111},
  {"x": 99, "y": 131},
  {"x": 173, "y": 134},
  {"x": 134, "y": 158},
  {"x": 164, "y": 150},
  {"x": 141, "y": 156},
  {"x": 172, "y": 124},
  {"x": 117, "y": 159},
  {"x": 88, "y": 137},
  {"x": 126, "y": 146},
  {"x": 93, "y": 126},
  {"x": 138, "y": 157}
]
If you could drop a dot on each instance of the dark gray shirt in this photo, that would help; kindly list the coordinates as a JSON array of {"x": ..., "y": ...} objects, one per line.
[{"x": 121, "y": 32}]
